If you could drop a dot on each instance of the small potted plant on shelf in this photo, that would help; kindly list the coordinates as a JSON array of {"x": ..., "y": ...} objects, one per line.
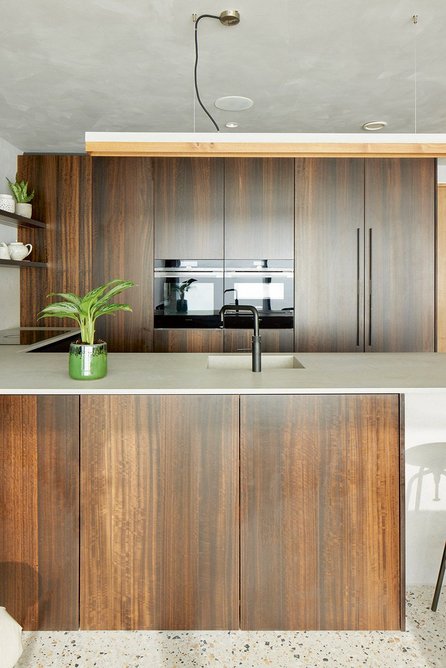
[
  {"x": 19, "y": 190},
  {"x": 87, "y": 359},
  {"x": 182, "y": 289}
]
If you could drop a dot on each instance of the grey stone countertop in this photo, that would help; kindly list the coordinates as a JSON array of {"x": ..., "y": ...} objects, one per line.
[{"x": 189, "y": 373}]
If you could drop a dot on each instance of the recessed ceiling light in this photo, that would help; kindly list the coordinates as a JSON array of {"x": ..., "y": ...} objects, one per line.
[
  {"x": 372, "y": 126},
  {"x": 231, "y": 124},
  {"x": 233, "y": 103}
]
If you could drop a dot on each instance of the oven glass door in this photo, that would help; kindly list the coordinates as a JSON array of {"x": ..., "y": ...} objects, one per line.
[
  {"x": 192, "y": 287},
  {"x": 269, "y": 288}
]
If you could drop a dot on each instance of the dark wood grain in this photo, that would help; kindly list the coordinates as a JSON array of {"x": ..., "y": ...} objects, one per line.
[
  {"x": 329, "y": 273},
  {"x": 63, "y": 202},
  {"x": 189, "y": 208},
  {"x": 320, "y": 525},
  {"x": 39, "y": 510},
  {"x": 400, "y": 224},
  {"x": 123, "y": 247},
  {"x": 259, "y": 208},
  {"x": 188, "y": 341},
  {"x": 159, "y": 530},
  {"x": 273, "y": 340}
]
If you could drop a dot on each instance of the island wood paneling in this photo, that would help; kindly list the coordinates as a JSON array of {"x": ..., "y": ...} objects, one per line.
[
  {"x": 39, "y": 510},
  {"x": 259, "y": 208},
  {"x": 123, "y": 247},
  {"x": 159, "y": 528},
  {"x": 441, "y": 268},
  {"x": 188, "y": 340},
  {"x": 400, "y": 256},
  {"x": 320, "y": 512},
  {"x": 189, "y": 208},
  {"x": 329, "y": 249},
  {"x": 63, "y": 202}
]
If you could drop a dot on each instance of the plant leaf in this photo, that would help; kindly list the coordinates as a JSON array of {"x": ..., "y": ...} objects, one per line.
[{"x": 67, "y": 296}]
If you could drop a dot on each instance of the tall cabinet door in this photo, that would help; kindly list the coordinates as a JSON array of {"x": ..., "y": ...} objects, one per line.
[
  {"x": 189, "y": 208},
  {"x": 329, "y": 265},
  {"x": 259, "y": 208},
  {"x": 39, "y": 510},
  {"x": 399, "y": 257},
  {"x": 159, "y": 513},
  {"x": 320, "y": 512},
  {"x": 123, "y": 247}
]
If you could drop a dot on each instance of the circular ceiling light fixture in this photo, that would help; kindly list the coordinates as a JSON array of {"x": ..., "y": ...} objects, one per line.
[
  {"x": 233, "y": 103},
  {"x": 230, "y": 17},
  {"x": 373, "y": 126},
  {"x": 231, "y": 124}
]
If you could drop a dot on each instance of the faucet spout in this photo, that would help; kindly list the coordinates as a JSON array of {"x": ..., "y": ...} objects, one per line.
[{"x": 256, "y": 338}]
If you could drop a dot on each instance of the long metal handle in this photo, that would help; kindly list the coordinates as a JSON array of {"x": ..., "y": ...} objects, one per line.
[
  {"x": 358, "y": 283},
  {"x": 370, "y": 284}
]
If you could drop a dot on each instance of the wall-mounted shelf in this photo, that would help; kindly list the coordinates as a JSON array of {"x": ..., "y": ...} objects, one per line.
[
  {"x": 21, "y": 263},
  {"x": 7, "y": 218}
]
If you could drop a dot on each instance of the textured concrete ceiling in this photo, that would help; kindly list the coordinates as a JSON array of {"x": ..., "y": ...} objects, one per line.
[{"x": 127, "y": 65}]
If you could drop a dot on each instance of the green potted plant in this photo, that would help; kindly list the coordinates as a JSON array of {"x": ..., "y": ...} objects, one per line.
[
  {"x": 19, "y": 190},
  {"x": 88, "y": 359},
  {"x": 182, "y": 289}
]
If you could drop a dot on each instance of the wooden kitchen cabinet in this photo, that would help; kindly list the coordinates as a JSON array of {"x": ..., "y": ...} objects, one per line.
[
  {"x": 400, "y": 255},
  {"x": 122, "y": 209},
  {"x": 259, "y": 208},
  {"x": 188, "y": 340},
  {"x": 39, "y": 510},
  {"x": 365, "y": 255},
  {"x": 273, "y": 340},
  {"x": 189, "y": 208},
  {"x": 320, "y": 512},
  {"x": 159, "y": 512}
]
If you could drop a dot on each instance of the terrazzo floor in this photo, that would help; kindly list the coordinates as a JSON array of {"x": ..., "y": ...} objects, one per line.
[{"x": 423, "y": 644}]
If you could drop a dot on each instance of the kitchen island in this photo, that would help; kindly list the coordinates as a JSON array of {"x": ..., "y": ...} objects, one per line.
[{"x": 171, "y": 495}]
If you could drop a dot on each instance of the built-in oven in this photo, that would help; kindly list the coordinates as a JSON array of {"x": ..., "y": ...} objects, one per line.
[
  {"x": 266, "y": 284},
  {"x": 188, "y": 293}
]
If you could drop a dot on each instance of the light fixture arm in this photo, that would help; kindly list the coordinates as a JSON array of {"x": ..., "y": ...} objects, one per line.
[{"x": 229, "y": 17}]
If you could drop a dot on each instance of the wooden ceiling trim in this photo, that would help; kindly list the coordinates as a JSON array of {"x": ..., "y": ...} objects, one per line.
[{"x": 265, "y": 150}]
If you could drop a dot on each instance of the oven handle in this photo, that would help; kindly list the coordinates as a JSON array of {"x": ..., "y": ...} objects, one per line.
[
  {"x": 163, "y": 273},
  {"x": 230, "y": 273}
]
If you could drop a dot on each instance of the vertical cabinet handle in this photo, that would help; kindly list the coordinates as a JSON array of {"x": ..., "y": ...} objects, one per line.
[
  {"x": 370, "y": 285},
  {"x": 358, "y": 282}
]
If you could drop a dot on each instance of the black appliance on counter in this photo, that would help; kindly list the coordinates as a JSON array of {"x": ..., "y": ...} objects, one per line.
[{"x": 208, "y": 284}]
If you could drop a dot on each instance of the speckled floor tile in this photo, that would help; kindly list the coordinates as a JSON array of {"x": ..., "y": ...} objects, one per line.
[{"x": 422, "y": 645}]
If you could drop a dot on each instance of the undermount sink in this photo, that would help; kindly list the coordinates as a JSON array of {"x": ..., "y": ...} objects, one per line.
[{"x": 274, "y": 361}]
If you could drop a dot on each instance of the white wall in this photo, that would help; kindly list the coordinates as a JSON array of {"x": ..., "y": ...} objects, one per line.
[
  {"x": 425, "y": 485},
  {"x": 9, "y": 276},
  {"x": 441, "y": 170}
]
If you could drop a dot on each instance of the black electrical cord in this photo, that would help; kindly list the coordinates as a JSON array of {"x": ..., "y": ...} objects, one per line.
[{"x": 202, "y": 16}]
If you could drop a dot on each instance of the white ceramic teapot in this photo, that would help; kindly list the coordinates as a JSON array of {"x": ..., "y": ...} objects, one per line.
[
  {"x": 18, "y": 250},
  {"x": 4, "y": 252}
]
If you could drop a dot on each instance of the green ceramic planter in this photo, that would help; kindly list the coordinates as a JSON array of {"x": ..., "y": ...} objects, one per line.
[{"x": 87, "y": 362}]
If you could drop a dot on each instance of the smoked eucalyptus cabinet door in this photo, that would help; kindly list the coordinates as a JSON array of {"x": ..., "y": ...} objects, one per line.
[
  {"x": 39, "y": 510},
  {"x": 400, "y": 255},
  {"x": 159, "y": 513},
  {"x": 329, "y": 252},
  {"x": 320, "y": 512},
  {"x": 122, "y": 195},
  {"x": 192, "y": 340},
  {"x": 189, "y": 208},
  {"x": 259, "y": 208}
]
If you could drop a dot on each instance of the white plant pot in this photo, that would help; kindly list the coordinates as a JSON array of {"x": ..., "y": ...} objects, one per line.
[{"x": 24, "y": 209}]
